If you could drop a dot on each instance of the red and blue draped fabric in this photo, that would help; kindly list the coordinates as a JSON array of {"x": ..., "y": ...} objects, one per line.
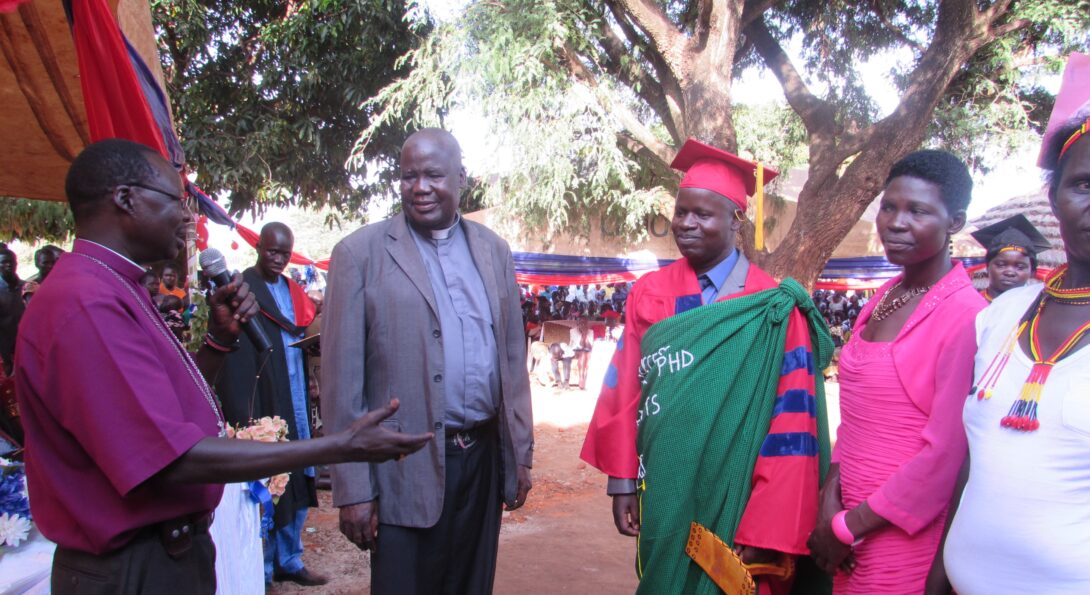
[
  {"x": 114, "y": 95},
  {"x": 869, "y": 272},
  {"x": 557, "y": 269}
]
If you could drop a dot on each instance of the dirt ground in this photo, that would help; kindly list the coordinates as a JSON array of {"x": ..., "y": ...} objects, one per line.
[{"x": 561, "y": 541}]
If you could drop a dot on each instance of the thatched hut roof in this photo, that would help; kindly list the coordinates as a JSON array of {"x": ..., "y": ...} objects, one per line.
[{"x": 1035, "y": 207}]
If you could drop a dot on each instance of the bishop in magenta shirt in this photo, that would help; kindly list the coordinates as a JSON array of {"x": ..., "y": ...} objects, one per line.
[{"x": 108, "y": 399}]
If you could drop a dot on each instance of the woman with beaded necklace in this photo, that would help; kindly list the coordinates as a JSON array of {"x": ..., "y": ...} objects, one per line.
[
  {"x": 1023, "y": 523},
  {"x": 903, "y": 377}
]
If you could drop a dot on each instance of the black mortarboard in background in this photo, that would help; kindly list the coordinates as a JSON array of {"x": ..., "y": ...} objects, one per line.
[{"x": 1015, "y": 232}]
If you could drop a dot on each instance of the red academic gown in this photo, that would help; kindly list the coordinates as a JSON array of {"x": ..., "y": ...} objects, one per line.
[{"x": 782, "y": 508}]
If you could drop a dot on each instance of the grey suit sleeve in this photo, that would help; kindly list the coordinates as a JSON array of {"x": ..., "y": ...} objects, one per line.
[
  {"x": 522, "y": 428},
  {"x": 343, "y": 343}
]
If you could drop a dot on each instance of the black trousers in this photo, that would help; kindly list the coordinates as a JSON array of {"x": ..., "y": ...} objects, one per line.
[
  {"x": 457, "y": 556},
  {"x": 141, "y": 566}
]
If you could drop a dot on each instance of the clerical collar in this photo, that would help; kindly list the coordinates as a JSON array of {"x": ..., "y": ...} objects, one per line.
[
  {"x": 443, "y": 234},
  {"x": 115, "y": 252}
]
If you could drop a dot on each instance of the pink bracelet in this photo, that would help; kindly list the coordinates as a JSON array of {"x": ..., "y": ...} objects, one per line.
[{"x": 841, "y": 530}]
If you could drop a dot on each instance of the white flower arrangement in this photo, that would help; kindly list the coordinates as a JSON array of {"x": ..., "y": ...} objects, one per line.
[
  {"x": 15, "y": 519},
  {"x": 14, "y": 529}
]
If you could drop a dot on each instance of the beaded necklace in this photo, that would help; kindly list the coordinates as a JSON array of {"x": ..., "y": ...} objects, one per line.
[
  {"x": 1023, "y": 412},
  {"x": 884, "y": 309},
  {"x": 157, "y": 321}
]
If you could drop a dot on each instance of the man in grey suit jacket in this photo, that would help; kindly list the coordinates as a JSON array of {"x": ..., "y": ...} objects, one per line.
[{"x": 423, "y": 307}]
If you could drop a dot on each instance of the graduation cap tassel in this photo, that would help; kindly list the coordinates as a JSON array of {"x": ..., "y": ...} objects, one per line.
[{"x": 759, "y": 197}]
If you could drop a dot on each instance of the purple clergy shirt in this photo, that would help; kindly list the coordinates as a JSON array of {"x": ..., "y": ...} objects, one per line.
[{"x": 107, "y": 401}]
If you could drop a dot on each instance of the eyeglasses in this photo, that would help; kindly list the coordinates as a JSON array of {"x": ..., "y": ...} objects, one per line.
[{"x": 187, "y": 201}]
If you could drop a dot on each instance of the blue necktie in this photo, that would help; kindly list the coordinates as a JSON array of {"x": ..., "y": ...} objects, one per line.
[{"x": 707, "y": 289}]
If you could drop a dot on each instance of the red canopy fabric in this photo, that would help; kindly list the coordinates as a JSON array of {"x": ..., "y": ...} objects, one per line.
[{"x": 114, "y": 100}]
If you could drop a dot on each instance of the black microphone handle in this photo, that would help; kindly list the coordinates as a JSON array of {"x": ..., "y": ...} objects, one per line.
[{"x": 251, "y": 326}]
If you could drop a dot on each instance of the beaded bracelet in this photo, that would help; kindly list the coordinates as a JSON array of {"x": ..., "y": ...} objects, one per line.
[{"x": 211, "y": 342}]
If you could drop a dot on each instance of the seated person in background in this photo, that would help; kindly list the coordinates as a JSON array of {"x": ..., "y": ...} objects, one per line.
[{"x": 561, "y": 361}]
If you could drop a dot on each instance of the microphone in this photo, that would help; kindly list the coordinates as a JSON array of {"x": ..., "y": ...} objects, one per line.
[{"x": 215, "y": 266}]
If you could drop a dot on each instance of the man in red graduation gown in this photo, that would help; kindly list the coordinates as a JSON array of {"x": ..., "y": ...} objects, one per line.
[{"x": 776, "y": 506}]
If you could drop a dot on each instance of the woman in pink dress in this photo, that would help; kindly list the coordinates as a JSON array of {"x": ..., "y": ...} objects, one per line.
[{"x": 903, "y": 378}]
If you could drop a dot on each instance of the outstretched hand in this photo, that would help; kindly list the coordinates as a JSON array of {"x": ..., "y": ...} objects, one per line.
[{"x": 369, "y": 442}]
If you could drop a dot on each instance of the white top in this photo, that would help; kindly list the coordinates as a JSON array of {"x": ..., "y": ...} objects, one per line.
[{"x": 1023, "y": 525}]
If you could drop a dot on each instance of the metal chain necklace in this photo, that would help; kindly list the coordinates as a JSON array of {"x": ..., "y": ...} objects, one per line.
[
  {"x": 190, "y": 365},
  {"x": 886, "y": 306}
]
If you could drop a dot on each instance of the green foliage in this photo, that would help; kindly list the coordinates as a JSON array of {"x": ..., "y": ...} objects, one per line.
[
  {"x": 770, "y": 133},
  {"x": 198, "y": 322},
  {"x": 557, "y": 159},
  {"x": 993, "y": 106},
  {"x": 265, "y": 94},
  {"x": 31, "y": 220},
  {"x": 997, "y": 104}
]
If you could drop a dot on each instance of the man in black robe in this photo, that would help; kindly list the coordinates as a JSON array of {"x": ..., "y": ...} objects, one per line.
[{"x": 257, "y": 384}]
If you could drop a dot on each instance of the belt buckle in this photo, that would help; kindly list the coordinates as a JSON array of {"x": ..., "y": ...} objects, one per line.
[
  {"x": 177, "y": 538},
  {"x": 464, "y": 440}
]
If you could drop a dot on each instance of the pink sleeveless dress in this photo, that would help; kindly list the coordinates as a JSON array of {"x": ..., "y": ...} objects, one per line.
[{"x": 880, "y": 430}]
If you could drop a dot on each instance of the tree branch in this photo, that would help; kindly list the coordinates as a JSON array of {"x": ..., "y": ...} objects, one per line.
[
  {"x": 876, "y": 6},
  {"x": 960, "y": 31},
  {"x": 635, "y": 78},
  {"x": 641, "y": 133},
  {"x": 576, "y": 66},
  {"x": 704, "y": 10},
  {"x": 1004, "y": 29},
  {"x": 755, "y": 9},
  {"x": 667, "y": 77},
  {"x": 666, "y": 41},
  {"x": 628, "y": 120},
  {"x": 809, "y": 107}
]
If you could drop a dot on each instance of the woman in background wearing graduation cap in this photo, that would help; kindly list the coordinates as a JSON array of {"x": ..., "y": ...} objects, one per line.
[
  {"x": 1013, "y": 245},
  {"x": 1023, "y": 522},
  {"x": 903, "y": 378}
]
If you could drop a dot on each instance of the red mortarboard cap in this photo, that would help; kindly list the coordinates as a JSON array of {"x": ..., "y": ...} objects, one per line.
[
  {"x": 721, "y": 172},
  {"x": 1072, "y": 100}
]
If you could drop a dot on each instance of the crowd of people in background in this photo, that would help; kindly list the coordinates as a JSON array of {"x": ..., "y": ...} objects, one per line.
[
  {"x": 840, "y": 310},
  {"x": 602, "y": 303}
]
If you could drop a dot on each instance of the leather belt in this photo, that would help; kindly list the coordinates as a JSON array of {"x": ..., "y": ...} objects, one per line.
[
  {"x": 466, "y": 438},
  {"x": 177, "y": 534}
]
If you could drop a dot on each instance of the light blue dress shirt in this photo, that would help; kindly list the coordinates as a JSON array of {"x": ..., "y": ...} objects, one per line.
[
  {"x": 718, "y": 276},
  {"x": 471, "y": 381},
  {"x": 294, "y": 357}
]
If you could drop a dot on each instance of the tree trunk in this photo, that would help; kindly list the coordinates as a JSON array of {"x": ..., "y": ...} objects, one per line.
[{"x": 830, "y": 203}]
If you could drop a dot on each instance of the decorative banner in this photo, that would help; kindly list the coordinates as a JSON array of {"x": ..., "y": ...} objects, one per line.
[
  {"x": 113, "y": 95},
  {"x": 866, "y": 273},
  {"x": 860, "y": 274}
]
